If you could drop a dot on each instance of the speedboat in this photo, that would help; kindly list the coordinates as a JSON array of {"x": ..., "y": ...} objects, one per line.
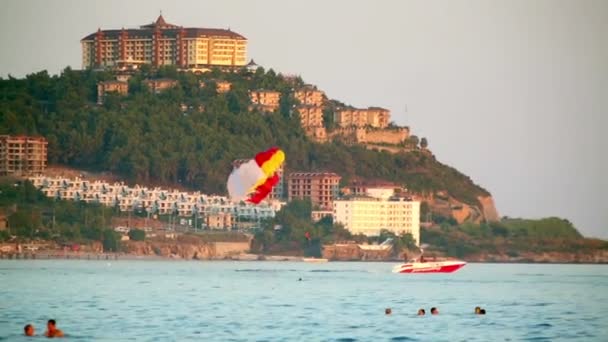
[{"x": 416, "y": 266}]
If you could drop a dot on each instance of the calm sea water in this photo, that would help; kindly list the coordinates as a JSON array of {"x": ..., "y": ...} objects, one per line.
[{"x": 265, "y": 301}]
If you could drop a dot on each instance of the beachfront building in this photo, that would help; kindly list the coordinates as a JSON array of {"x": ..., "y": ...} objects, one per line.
[
  {"x": 22, "y": 155},
  {"x": 161, "y": 43},
  {"x": 353, "y": 117},
  {"x": 368, "y": 215},
  {"x": 156, "y": 201},
  {"x": 320, "y": 187}
]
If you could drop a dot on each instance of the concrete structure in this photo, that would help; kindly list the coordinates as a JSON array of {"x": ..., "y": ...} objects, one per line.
[
  {"x": 154, "y": 201},
  {"x": 372, "y": 188},
  {"x": 310, "y": 116},
  {"x": 159, "y": 85},
  {"x": 320, "y": 187},
  {"x": 373, "y": 117},
  {"x": 219, "y": 221},
  {"x": 118, "y": 87},
  {"x": 22, "y": 155},
  {"x": 223, "y": 86},
  {"x": 309, "y": 95},
  {"x": 161, "y": 43},
  {"x": 318, "y": 134},
  {"x": 368, "y": 215},
  {"x": 265, "y": 100},
  {"x": 366, "y": 135},
  {"x": 317, "y": 215}
]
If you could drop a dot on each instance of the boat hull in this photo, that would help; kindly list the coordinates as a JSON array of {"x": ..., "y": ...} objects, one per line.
[{"x": 430, "y": 267}]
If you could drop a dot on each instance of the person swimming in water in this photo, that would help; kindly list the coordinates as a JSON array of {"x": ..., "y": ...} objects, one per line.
[
  {"x": 388, "y": 311},
  {"x": 28, "y": 330},
  {"x": 51, "y": 329},
  {"x": 434, "y": 311},
  {"x": 421, "y": 312},
  {"x": 482, "y": 311},
  {"x": 477, "y": 310}
]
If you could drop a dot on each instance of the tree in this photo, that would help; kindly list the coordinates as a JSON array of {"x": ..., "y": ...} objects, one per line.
[
  {"x": 137, "y": 235},
  {"x": 111, "y": 241}
]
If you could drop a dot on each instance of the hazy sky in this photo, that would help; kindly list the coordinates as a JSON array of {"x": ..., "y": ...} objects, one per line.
[{"x": 512, "y": 93}]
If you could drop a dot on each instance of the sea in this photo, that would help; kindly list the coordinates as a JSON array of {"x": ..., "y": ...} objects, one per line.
[{"x": 141, "y": 300}]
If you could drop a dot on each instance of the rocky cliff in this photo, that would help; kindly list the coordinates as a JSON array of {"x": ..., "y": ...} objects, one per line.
[{"x": 185, "y": 250}]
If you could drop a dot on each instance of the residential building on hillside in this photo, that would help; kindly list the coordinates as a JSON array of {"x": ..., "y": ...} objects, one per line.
[
  {"x": 159, "y": 85},
  {"x": 156, "y": 201},
  {"x": 223, "y": 86},
  {"x": 22, "y": 155},
  {"x": 320, "y": 187},
  {"x": 161, "y": 43},
  {"x": 118, "y": 87},
  {"x": 373, "y": 116},
  {"x": 265, "y": 100},
  {"x": 372, "y": 188},
  {"x": 309, "y": 95},
  {"x": 310, "y": 116},
  {"x": 368, "y": 215}
]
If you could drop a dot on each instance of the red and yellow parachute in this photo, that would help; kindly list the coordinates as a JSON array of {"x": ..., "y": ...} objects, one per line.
[{"x": 253, "y": 180}]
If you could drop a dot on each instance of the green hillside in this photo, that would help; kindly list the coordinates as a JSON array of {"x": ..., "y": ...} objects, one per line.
[{"x": 189, "y": 135}]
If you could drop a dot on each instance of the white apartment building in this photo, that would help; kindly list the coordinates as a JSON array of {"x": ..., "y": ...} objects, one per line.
[
  {"x": 154, "y": 201},
  {"x": 368, "y": 215}
]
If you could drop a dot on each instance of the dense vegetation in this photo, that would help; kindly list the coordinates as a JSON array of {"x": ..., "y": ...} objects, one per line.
[
  {"x": 191, "y": 134},
  {"x": 511, "y": 237},
  {"x": 292, "y": 232},
  {"x": 33, "y": 216}
]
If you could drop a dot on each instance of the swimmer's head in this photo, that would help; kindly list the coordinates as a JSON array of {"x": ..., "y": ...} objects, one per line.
[
  {"x": 482, "y": 311},
  {"x": 477, "y": 310},
  {"x": 421, "y": 312},
  {"x": 50, "y": 325},
  {"x": 28, "y": 330},
  {"x": 388, "y": 311},
  {"x": 434, "y": 311}
]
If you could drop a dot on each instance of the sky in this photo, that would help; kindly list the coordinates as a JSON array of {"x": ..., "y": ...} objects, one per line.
[{"x": 512, "y": 93}]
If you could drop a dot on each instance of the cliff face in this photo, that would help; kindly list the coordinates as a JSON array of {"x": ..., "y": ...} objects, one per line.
[
  {"x": 598, "y": 256},
  {"x": 462, "y": 212},
  {"x": 352, "y": 252},
  {"x": 201, "y": 250}
]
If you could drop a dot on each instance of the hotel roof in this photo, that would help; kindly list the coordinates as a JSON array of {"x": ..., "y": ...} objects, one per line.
[{"x": 167, "y": 29}]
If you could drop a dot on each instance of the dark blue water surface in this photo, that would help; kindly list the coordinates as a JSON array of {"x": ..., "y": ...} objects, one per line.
[{"x": 265, "y": 301}]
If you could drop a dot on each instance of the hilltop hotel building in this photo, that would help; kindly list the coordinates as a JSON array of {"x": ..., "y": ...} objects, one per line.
[{"x": 161, "y": 43}]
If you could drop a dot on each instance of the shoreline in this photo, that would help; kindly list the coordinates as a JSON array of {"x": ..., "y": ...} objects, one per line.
[{"x": 239, "y": 257}]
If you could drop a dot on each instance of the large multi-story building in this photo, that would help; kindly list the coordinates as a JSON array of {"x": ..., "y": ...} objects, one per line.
[
  {"x": 310, "y": 116},
  {"x": 265, "y": 100},
  {"x": 320, "y": 187},
  {"x": 374, "y": 116},
  {"x": 157, "y": 201},
  {"x": 369, "y": 215},
  {"x": 22, "y": 155},
  {"x": 309, "y": 96},
  {"x": 161, "y": 43}
]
